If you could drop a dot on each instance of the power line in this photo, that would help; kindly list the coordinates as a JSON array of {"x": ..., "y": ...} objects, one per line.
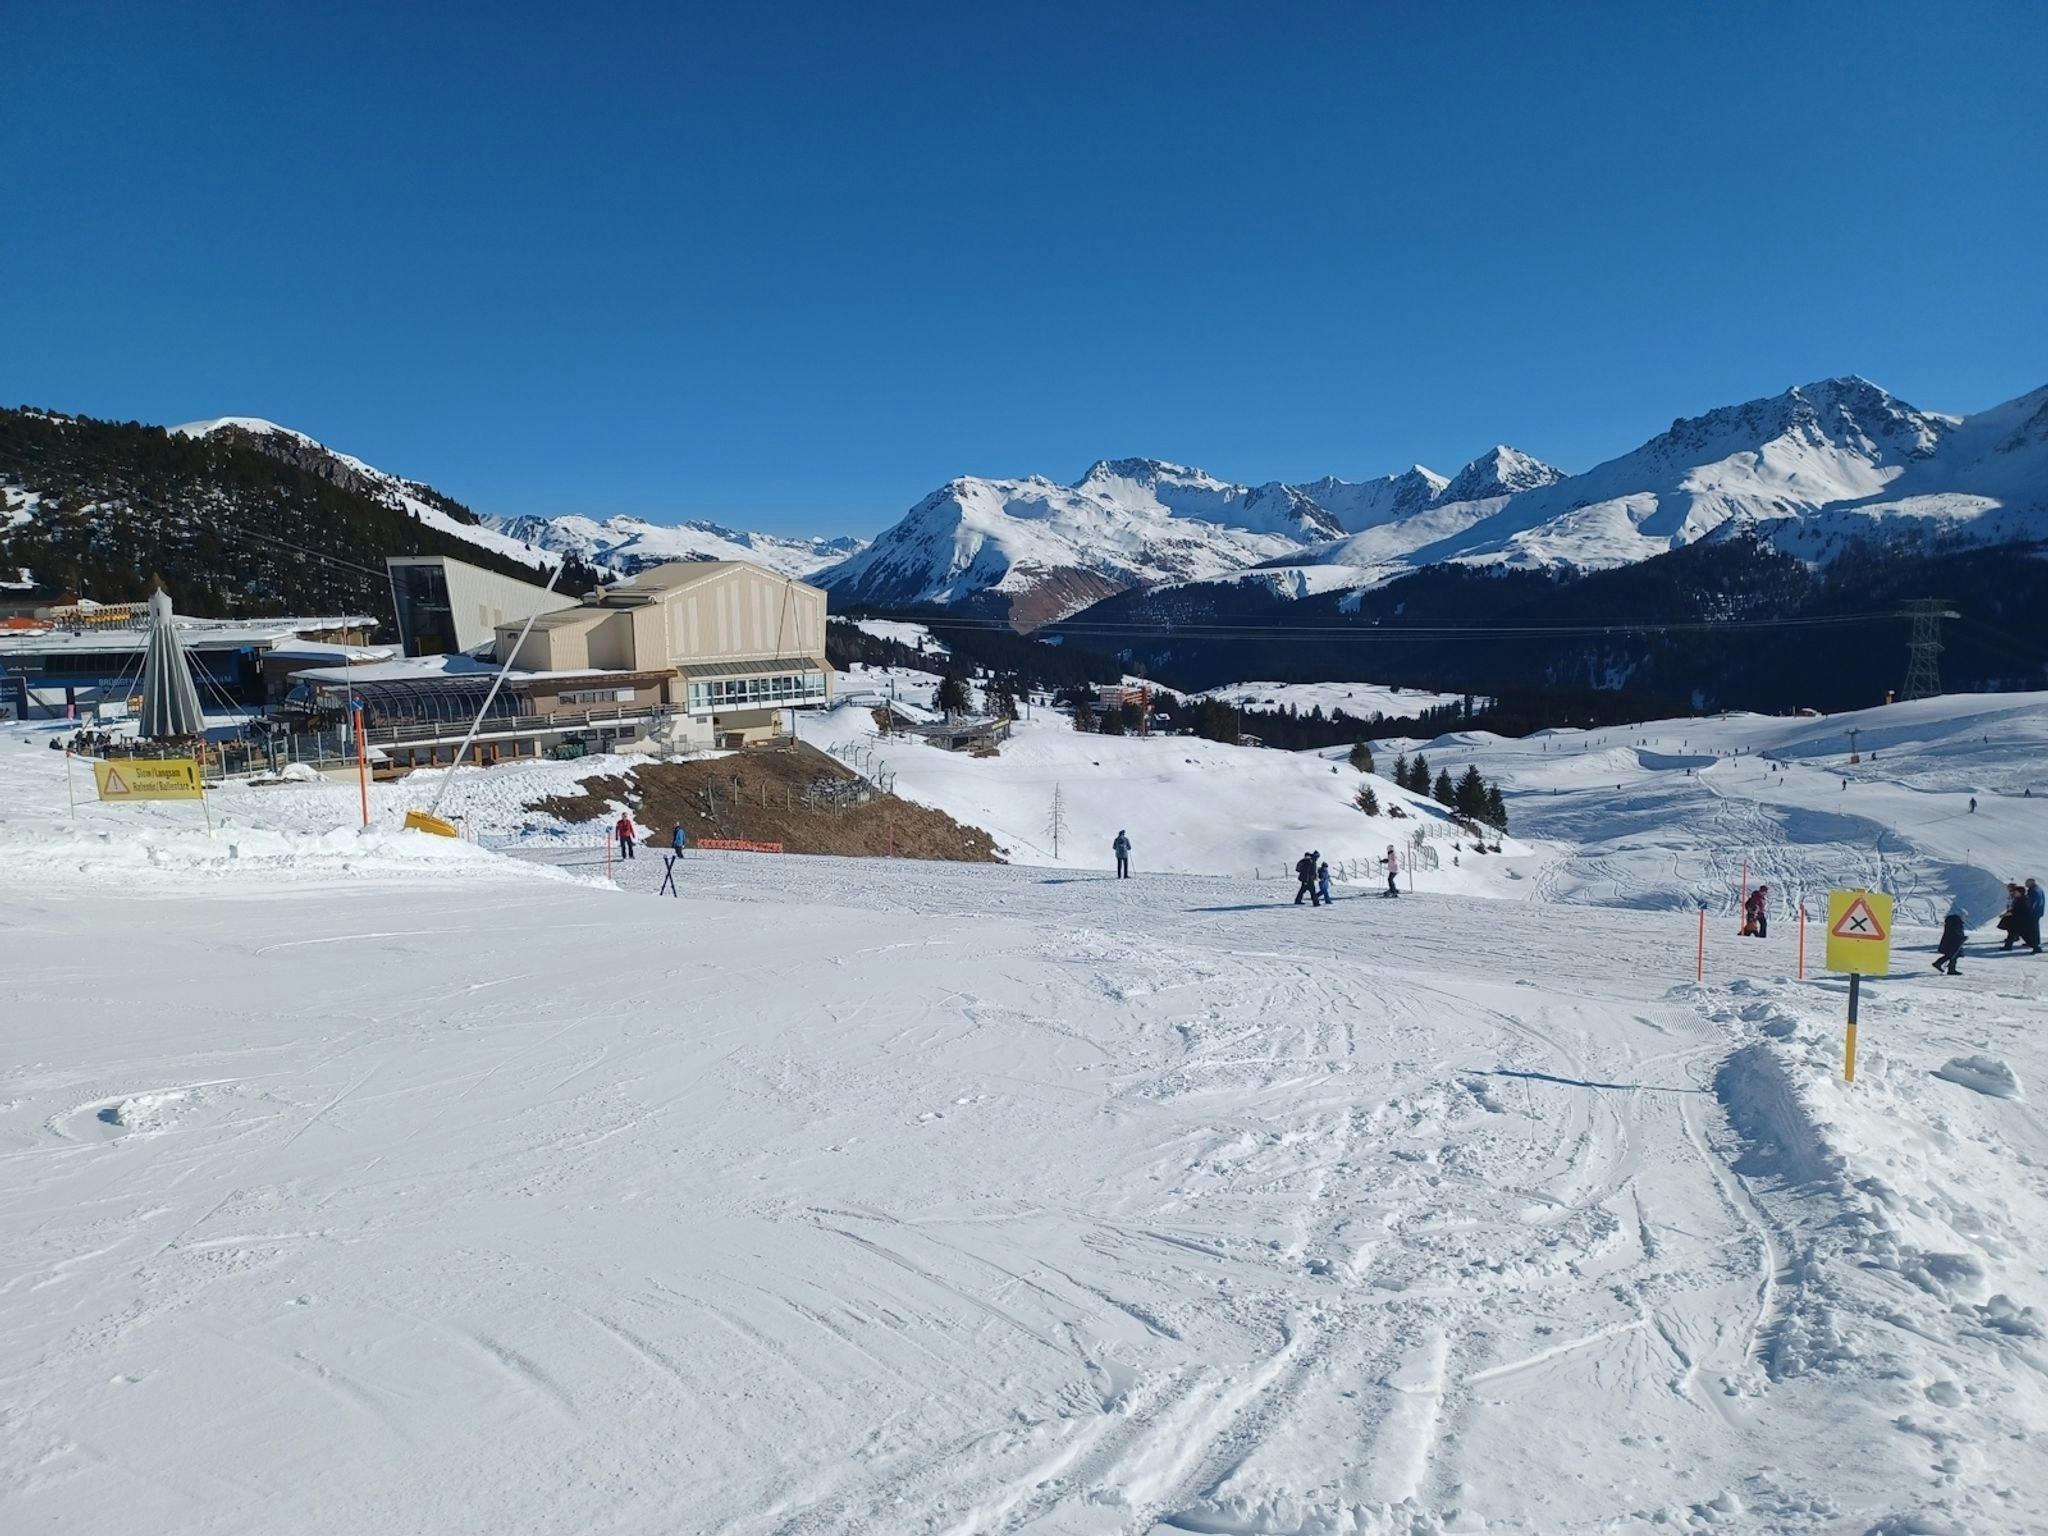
[{"x": 1385, "y": 632}]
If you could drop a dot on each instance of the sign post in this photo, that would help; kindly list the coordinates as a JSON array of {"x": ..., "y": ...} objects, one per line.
[
  {"x": 1859, "y": 945},
  {"x": 142, "y": 778}
]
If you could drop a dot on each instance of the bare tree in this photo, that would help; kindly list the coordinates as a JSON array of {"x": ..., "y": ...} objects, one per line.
[{"x": 1056, "y": 818}]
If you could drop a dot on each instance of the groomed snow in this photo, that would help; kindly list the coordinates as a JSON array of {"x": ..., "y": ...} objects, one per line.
[{"x": 376, "y": 1182}]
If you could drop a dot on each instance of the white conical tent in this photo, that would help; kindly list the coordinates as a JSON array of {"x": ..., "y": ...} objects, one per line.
[{"x": 170, "y": 702}]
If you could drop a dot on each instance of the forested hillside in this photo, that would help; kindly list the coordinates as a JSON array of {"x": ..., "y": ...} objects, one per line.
[{"x": 110, "y": 509}]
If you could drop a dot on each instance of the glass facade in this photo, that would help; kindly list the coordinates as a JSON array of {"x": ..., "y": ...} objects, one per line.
[{"x": 712, "y": 695}]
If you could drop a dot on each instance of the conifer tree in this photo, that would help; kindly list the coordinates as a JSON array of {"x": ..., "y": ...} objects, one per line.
[
  {"x": 1361, "y": 757},
  {"x": 1470, "y": 795},
  {"x": 1443, "y": 791},
  {"x": 1496, "y": 809}
]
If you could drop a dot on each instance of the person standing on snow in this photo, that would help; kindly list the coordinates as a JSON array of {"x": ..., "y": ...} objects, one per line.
[
  {"x": 1323, "y": 882},
  {"x": 1305, "y": 872},
  {"x": 2011, "y": 919},
  {"x": 678, "y": 841},
  {"x": 1951, "y": 946},
  {"x": 626, "y": 834},
  {"x": 1756, "y": 913},
  {"x": 1393, "y": 871},
  {"x": 2032, "y": 902},
  {"x": 1122, "y": 848}
]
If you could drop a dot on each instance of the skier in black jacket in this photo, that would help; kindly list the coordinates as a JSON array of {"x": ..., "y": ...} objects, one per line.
[
  {"x": 1305, "y": 871},
  {"x": 1951, "y": 947}
]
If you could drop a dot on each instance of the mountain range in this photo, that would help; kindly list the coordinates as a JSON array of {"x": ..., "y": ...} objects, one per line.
[{"x": 1814, "y": 472}]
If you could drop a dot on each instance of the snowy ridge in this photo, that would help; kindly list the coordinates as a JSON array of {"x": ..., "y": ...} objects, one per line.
[
  {"x": 1127, "y": 522},
  {"x": 629, "y": 544},
  {"x": 409, "y": 495},
  {"x": 621, "y": 545},
  {"x": 1810, "y": 470}
]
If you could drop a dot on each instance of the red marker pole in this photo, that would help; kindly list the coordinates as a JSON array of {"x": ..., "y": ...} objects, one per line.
[
  {"x": 1700, "y": 969},
  {"x": 362, "y": 763}
]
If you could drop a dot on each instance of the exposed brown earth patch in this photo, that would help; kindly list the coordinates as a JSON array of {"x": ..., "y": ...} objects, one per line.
[{"x": 773, "y": 795}]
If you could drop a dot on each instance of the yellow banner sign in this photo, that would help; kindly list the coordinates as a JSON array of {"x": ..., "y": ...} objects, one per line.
[
  {"x": 1859, "y": 932},
  {"x": 134, "y": 778}
]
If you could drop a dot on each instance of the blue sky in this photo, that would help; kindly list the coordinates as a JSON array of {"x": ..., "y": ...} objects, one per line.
[{"x": 793, "y": 267}]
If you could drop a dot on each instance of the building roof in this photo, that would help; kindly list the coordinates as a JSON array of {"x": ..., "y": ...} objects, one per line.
[
  {"x": 194, "y": 634},
  {"x": 703, "y": 669},
  {"x": 659, "y": 580},
  {"x": 561, "y": 618}
]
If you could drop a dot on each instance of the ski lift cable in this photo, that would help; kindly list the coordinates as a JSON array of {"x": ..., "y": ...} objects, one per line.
[{"x": 1389, "y": 631}]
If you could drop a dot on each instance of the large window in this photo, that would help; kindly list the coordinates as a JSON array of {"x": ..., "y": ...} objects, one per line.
[{"x": 712, "y": 695}]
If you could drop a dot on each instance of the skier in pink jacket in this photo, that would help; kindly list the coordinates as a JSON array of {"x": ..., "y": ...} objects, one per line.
[{"x": 1393, "y": 871}]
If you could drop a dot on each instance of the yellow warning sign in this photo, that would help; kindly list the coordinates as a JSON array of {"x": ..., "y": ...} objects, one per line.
[
  {"x": 1859, "y": 932},
  {"x": 133, "y": 778}
]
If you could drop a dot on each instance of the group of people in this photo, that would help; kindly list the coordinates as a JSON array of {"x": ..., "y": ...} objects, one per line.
[
  {"x": 1314, "y": 875},
  {"x": 2020, "y": 922},
  {"x": 2021, "y": 918},
  {"x": 629, "y": 837},
  {"x": 1311, "y": 869}
]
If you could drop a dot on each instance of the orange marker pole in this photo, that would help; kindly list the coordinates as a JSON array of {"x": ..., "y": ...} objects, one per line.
[
  {"x": 1700, "y": 970},
  {"x": 362, "y": 764}
]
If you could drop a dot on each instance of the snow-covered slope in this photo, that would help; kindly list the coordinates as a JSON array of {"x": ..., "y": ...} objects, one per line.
[
  {"x": 1041, "y": 550},
  {"x": 629, "y": 544},
  {"x": 879, "y": 1196}
]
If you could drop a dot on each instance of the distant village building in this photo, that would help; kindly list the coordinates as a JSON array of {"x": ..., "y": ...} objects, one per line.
[{"x": 1120, "y": 696}]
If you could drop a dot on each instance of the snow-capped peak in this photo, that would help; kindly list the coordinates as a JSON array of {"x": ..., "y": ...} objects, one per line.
[
  {"x": 252, "y": 424},
  {"x": 1500, "y": 471}
]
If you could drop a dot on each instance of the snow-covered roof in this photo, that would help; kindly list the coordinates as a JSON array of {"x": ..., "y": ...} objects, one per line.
[{"x": 196, "y": 634}]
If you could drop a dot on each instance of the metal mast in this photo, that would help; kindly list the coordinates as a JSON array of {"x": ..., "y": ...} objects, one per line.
[{"x": 1923, "y": 646}]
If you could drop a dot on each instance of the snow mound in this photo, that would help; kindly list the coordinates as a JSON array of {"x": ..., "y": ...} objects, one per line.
[{"x": 1982, "y": 1074}]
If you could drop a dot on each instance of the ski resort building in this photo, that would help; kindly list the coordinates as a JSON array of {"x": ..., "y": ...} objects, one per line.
[
  {"x": 449, "y": 607},
  {"x": 417, "y": 710},
  {"x": 739, "y": 643}
]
